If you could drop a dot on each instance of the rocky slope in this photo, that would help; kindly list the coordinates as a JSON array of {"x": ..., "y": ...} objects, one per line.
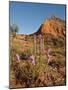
[{"x": 54, "y": 26}]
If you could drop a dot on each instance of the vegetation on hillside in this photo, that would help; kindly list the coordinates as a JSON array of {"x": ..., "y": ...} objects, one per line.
[{"x": 39, "y": 59}]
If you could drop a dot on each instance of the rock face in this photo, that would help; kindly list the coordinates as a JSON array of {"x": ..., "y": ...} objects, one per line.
[
  {"x": 53, "y": 26},
  {"x": 53, "y": 32}
]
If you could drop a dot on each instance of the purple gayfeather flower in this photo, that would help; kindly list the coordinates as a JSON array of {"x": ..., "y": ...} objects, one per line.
[
  {"x": 33, "y": 62},
  {"x": 17, "y": 57},
  {"x": 32, "y": 59}
]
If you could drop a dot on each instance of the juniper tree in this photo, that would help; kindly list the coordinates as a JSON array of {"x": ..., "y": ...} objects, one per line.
[{"x": 14, "y": 29}]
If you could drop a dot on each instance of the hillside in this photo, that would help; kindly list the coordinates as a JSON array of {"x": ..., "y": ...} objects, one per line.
[
  {"x": 54, "y": 26},
  {"x": 47, "y": 48},
  {"x": 53, "y": 31}
]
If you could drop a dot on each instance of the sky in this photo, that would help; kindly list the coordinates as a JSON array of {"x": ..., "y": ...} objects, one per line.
[{"x": 29, "y": 16}]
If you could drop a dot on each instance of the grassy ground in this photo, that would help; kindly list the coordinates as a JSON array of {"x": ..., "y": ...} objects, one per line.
[{"x": 25, "y": 74}]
